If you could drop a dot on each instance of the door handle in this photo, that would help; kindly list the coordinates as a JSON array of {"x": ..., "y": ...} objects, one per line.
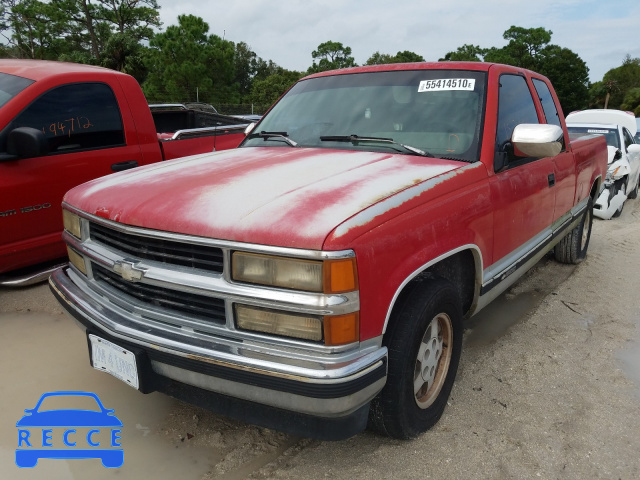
[
  {"x": 552, "y": 179},
  {"x": 118, "y": 167}
]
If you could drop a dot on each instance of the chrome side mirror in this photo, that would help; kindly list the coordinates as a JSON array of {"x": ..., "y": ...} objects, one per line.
[
  {"x": 249, "y": 128},
  {"x": 538, "y": 140}
]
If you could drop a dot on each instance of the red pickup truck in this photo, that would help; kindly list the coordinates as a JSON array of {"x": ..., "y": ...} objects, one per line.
[
  {"x": 62, "y": 124},
  {"x": 317, "y": 278}
]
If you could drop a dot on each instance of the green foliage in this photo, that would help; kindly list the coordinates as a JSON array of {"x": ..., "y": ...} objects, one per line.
[
  {"x": 400, "y": 57},
  {"x": 465, "y": 53},
  {"x": 530, "y": 48},
  {"x": 330, "y": 56},
  {"x": 617, "y": 82},
  {"x": 632, "y": 101},
  {"x": 99, "y": 32},
  {"x": 267, "y": 90}
]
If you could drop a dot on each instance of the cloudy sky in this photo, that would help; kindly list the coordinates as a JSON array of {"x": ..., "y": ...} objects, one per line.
[{"x": 601, "y": 32}]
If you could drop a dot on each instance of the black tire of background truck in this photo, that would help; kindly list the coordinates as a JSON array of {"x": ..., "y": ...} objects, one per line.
[
  {"x": 634, "y": 194},
  {"x": 428, "y": 306},
  {"x": 573, "y": 247}
]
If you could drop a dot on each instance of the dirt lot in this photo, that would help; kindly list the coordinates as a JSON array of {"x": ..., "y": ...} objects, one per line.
[{"x": 548, "y": 387}]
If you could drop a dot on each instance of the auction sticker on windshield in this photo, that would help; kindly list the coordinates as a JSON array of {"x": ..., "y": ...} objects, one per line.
[
  {"x": 597, "y": 131},
  {"x": 442, "y": 84}
]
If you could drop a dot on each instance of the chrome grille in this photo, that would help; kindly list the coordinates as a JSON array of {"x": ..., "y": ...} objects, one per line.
[
  {"x": 199, "y": 306},
  {"x": 159, "y": 250}
]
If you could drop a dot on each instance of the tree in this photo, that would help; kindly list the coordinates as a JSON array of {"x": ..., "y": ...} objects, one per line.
[
  {"x": 465, "y": 53},
  {"x": 186, "y": 64},
  {"x": 530, "y": 48},
  {"x": 632, "y": 101},
  {"x": 617, "y": 82},
  {"x": 330, "y": 56},
  {"x": 569, "y": 75},
  {"x": 408, "y": 57},
  {"x": 401, "y": 57},
  {"x": 28, "y": 30},
  {"x": 267, "y": 90}
]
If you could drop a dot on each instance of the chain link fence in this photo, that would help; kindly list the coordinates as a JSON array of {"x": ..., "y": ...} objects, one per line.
[{"x": 242, "y": 109}]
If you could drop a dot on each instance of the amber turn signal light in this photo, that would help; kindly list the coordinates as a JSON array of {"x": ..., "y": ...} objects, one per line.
[{"x": 341, "y": 329}]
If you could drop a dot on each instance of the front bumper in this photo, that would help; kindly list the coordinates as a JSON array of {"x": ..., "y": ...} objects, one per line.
[
  {"x": 328, "y": 387},
  {"x": 609, "y": 202}
]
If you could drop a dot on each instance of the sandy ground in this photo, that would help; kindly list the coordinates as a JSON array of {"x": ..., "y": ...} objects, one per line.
[{"x": 548, "y": 387}]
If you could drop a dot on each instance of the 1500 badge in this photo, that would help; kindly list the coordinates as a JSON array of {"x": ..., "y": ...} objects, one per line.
[{"x": 33, "y": 208}]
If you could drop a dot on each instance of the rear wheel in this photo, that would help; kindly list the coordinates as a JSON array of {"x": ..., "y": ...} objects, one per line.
[
  {"x": 573, "y": 247},
  {"x": 424, "y": 339}
]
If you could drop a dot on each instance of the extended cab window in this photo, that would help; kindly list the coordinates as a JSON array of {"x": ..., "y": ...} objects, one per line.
[
  {"x": 548, "y": 105},
  {"x": 515, "y": 106},
  {"x": 79, "y": 116}
]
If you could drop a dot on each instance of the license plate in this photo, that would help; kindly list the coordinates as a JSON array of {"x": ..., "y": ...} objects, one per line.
[{"x": 111, "y": 358}]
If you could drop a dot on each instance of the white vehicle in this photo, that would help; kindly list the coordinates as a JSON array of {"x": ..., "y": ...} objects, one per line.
[{"x": 623, "y": 171}]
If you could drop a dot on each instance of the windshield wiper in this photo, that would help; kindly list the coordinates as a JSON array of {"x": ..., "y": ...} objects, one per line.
[
  {"x": 284, "y": 136},
  {"x": 355, "y": 139}
]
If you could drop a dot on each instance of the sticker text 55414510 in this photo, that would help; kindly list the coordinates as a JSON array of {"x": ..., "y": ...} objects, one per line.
[{"x": 442, "y": 84}]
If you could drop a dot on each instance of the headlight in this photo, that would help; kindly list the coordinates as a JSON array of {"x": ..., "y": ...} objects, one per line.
[
  {"x": 335, "y": 330},
  {"x": 328, "y": 276},
  {"x": 76, "y": 260},
  {"x": 279, "y": 323},
  {"x": 71, "y": 223}
]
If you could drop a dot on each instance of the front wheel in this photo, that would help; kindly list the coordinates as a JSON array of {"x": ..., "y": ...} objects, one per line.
[
  {"x": 573, "y": 246},
  {"x": 424, "y": 339}
]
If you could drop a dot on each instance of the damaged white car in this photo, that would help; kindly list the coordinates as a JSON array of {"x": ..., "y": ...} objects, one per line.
[{"x": 618, "y": 128}]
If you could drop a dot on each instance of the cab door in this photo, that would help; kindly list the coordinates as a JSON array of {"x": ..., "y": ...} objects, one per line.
[
  {"x": 522, "y": 188},
  {"x": 85, "y": 137}
]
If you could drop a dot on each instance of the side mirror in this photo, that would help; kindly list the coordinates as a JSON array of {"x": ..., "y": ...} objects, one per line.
[
  {"x": 538, "y": 140},
  {"x": 249, "y": 128},
  {"x": 633, "y": 148},
  {"x": 27, "y": 142}
]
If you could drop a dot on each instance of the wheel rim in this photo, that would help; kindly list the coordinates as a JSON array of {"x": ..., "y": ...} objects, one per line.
[
  {"x": 432, "y": 362},
  {"x": 585, "y": 230}
]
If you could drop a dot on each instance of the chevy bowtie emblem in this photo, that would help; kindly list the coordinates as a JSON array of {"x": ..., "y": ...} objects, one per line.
[{"x": 129, "y": 271}]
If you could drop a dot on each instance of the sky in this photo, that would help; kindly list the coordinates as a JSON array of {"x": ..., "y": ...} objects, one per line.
[{"x": 601, "y": 32}]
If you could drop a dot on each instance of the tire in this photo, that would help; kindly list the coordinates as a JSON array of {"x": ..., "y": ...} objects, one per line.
[
  {"x": 429, "y": 315},
  {"x": 573, "y": 247},
  {"x": 618, "y": 212},
  {"x": 634, "y": 193}
]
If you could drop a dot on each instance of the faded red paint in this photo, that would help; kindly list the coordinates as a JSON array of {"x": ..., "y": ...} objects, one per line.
[{"x": 397, "y": 212}]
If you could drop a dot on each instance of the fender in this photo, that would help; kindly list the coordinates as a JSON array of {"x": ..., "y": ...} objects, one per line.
[{"x": 477, "y": 257}]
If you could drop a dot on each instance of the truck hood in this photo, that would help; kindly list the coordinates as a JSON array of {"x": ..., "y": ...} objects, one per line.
[{"x": 273, "y": 196}]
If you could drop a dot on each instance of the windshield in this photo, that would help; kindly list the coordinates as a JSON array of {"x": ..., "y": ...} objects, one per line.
[
  {"x": 437, "y": 112},
  {"x": 610, "y": 134},
  {"x": 10, "y": 86}
]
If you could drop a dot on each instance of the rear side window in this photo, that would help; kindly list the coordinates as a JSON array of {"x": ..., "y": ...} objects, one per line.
[
  {"x": 515, "y": 106},
  {"x": 75, "y": 117},
  {"x": 548, "y": 105},
  {"x": 10, "y": 86}
]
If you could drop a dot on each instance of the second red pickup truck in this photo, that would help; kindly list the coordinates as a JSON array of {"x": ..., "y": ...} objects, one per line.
[
  {"x": 62, "y": 124},
  {"x": 316, "y": 278}
]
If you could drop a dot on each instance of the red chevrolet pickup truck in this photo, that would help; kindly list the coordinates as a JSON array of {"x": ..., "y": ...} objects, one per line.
[
  {"x": 316, "y": 279},
  {"x": 62, "y": 124}
]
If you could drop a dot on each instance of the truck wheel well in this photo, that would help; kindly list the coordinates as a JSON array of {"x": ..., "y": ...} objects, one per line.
[
  {"x": 459, "y": 269},
  {"x": 595, "y": 189}
]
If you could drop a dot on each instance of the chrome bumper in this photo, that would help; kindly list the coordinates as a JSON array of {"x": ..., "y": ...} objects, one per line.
[{"x": 321, "y": 385}]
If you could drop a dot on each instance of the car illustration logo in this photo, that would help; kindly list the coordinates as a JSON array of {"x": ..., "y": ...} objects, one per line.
[
  {"x": 69, "y": 433},
  {"x": 128, "y": 270}
]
